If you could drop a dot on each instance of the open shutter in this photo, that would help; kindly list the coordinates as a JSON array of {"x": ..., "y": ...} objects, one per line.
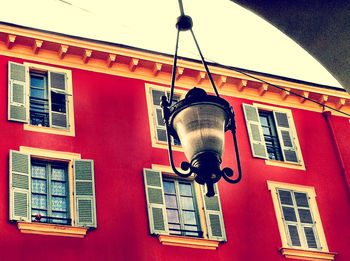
[
  {"x": 255, "y": 133},
  {"x": 213, "y": 215},
  {"x": 58, "y": 100},
  {"x": 157, "y": 217},
  {"x": 84, "y": 193},
  {"x": 17, "y": 93},
  {"x": 286, "y": 138},
  {"x": 20, "y": 207}
]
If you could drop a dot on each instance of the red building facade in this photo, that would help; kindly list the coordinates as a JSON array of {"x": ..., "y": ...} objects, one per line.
[{"x": 86, "y": 176}]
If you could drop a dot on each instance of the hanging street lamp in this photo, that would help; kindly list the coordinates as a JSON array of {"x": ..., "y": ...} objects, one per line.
[{"x": 199, "y": 121}]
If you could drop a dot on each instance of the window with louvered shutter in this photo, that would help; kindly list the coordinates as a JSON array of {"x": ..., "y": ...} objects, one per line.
[
  {"x": 271, "y": 133},
  {"x": 286, "y": 138},
  {"x": 17, "y": 94},
  {"x": 297, "y": 217},
  {"x": 157, "y": 218},
  {"x": 84, "y": 187},
  {"x": 213, "y": 215},
  {"x": 156, "y": 95},
  {"x": 173, "y": 210},
  {"x": 20, "y": 200},
  {"x": 255, "y": 133}
]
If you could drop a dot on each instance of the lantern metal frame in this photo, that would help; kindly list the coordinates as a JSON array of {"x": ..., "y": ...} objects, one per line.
[{"x": 206, "y": 164}]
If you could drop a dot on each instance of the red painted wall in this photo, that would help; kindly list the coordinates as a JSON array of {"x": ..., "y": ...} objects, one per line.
[{"x": 112, "y": 128}]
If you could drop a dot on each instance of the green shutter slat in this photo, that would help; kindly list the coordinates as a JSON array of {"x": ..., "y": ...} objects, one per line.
[
  {"x": 157, "y": 217},
  {"x": 85, "y": 211},
  {"x": 255, "y": 133},
  {"x": 19, "y": 186},
  {"x": 84, "y": 193},
  {"x": 289, "y": 214},
  {"x": 305, "y": 216},
  {"x": 213, "y": 215},
  {"x": 285, "y": 136},
  {"x": 17, "y": 99}
]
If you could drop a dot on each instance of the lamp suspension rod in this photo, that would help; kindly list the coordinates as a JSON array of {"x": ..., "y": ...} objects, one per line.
[
  {"x": 174, "y": 67},
  {"x": 205, "y": 64},
  {"x": 181, "y": 8}
]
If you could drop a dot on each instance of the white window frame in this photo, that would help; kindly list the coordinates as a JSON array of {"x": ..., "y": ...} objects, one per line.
[
  {"x": 70, "y": 131},
  {"x": 286, "y": 248},
  {"x": 152, "y": 117},
  {"x": 300, "y": 165}
]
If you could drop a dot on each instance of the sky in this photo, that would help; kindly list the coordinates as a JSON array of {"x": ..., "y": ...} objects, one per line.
[{"x": 227, "y": 33}]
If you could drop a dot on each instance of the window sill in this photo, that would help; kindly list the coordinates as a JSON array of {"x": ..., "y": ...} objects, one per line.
[
  {"x": 50, "y": 229},
  {"x": 285, "y": 164},
  {"x": 307, "y": 254},
  {"x": 49, "y": 130},
  {"x": 191, "y": 242}
]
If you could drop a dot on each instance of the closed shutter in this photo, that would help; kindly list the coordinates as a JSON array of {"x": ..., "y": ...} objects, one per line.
[
  {"x": 58, "y": 100},
  {"x": 213, "y": 215},
  {"x": 286, "y": 138},
  {"x": 157, "y": 217},
  {"x": 20, "y": 207},
  {"x": 17, "y": 93},
  {"x": 255, "y": 133},
  {"x": 84, "y": 193}
]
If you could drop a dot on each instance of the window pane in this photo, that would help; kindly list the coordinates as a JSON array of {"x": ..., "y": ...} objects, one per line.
[
  {"x": 310, "y": 237},
  {"x": 37, "y": 81},
  {"x": 170, "y": 201},
  {"x": 185, "y": 189},
  {"x": 294, "y": 235},
  {"x": 38, "y": 214},
  {"x": 266, "y": 131},
  {"x": 301, "y": 199},
  {"x": 59, "y": 203},
  {"x": 37, "y": 93},
  {"x": 285, "y": 197},
  {"x": 58, "y": 102},
  {"x": 58, "y": 174},
  {"x": 187, "y": 203},
  {"x": 173, "y": 215},
  {"x": 305, "y": 216},
  {"x": 58, "y": 188},
  {"x": 264, "y": 121},
  {"x": 189, "y": 217},
  {"x": 38, "y": 171},
  {"x": 192, "y": 228},
  {"x": 39, "y": 186},
  {"x": 289, "y": 214},
  {"x": 59, "y": 215},
  {"x": 174, "y": 229},
  {"x": 39, "y": 201},
  {"x": 169, "y": 187}
]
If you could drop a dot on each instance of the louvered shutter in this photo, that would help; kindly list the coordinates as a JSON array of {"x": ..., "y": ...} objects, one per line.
[
  {"x": 255, "y": 132},
  {"x": 17, "y": 93},
  {"x": 158, "y": 115},
  {"x": 213, "y": 215},
  {"x": 285, "y": 136},
  {"x": 58, "y": 86},
  {"x": 20, "y": 205},
  {"x": 84, "y": 193},
  {"x": 157, "y": 216}
]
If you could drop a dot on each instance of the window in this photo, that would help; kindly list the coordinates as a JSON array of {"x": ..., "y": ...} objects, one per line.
[
  {"x": 49, "y": 193},
  {"x": 272, "y": 134},
  {"x": 41, "y": 96},
  {"x": 179, "y": 207},
  {"x": 298, "y": 220},
  {"x": 157, "y": 125},
  {"x": 51, "y": 188}
]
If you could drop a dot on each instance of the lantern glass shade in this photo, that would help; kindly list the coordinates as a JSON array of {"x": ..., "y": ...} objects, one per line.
[{"x": 201, "y": 128}]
